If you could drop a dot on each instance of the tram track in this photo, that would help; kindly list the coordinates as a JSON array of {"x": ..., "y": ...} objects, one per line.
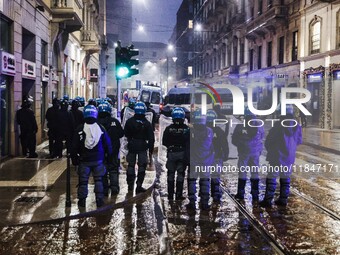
[
  {"x": 276, "y": 245},
  {"x": 262, "y": 230},
  {"x": 327, "y": 211}
]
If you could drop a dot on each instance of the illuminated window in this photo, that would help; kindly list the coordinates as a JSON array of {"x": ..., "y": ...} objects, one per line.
[
  {"x": 189, "y": 70},
  {"x": 315, "y": 36}
]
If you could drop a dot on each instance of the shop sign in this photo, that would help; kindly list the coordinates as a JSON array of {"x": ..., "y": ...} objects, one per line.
[
  {"x": 7, "y": 63},
  {"x": 55, "y": 77},
  {"x": 28, "y": 69},
  {"x": 45, "y": 73},
  {"x": 317, "y": 77}
]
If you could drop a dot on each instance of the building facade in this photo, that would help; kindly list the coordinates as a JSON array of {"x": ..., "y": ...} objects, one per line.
[
  {"x": 49, "y": 50},
  {"x": 270, "y": 44},
  {"x": 184, "y": 42}
]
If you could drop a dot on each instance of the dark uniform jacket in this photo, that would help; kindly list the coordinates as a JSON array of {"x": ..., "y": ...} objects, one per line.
[
  {"x": 139, "y": 133},
  {"x": 51, "y": 117},
  {"x": 26, "y": 119},
  {"x": 281, "y": 144},
  {"x": 80, "y": 153},
  {"x": 78, "y": 117},
  {"x": 220, "y": 141},
  {"x": 201, "y": 143},
  {"x": 248, "y": 140},
  {"x": 175, "y": 137},
  {"x": 114, "y": 130}
]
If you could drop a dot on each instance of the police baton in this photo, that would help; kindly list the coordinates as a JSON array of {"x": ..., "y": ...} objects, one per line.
[{"x": 68, "y": 182}]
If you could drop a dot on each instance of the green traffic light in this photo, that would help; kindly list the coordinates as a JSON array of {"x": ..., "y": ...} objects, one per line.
[{"x": 122, "y": 72}]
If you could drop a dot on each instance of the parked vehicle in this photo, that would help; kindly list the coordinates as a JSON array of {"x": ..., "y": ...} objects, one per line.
[{"x": 153, "y": 95}]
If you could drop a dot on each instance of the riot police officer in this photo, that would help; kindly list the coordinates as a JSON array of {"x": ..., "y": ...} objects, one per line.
[
  {"x": 52, "y": 124},
  {"x": 90, "y": 145},
  {"x": 115, "y": 132},
  {"x": 281, "y": 144},
  {"x": 78, "y": 115},
  {"x": 221, "y": 153},
  {"x": 201, "y": 157},
  {"x": 28, "y": 127},
  {"x": 175, "y": 138},
  {"x": 247, "y": 137},
  {"x": 65, "y": 129},
  {"x": 140, "y": 136}
]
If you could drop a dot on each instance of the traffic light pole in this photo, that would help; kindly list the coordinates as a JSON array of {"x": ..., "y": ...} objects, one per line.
[{"x": 119, "y": 88}]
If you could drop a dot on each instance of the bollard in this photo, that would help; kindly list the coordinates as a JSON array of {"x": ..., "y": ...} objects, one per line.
[{"x": 68, "y": 182}]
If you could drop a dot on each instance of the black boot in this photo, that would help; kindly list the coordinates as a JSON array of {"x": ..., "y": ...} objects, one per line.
[
  {"x": 270, "y": 192},
  {"x": 284, "y": 192},
  {"x": 171, "y": 190},
  {"x": 241, "y": 189},
  {"x": 140, "y": 180},
  {"x": 255, "y": 189},
  {"x": 179, "y": 191},
  {"x": 130, "y": 181},
  {"x": 100, "y": 202},
  {"x": 140, "y": 189},
  {"x": 114, "y": 182},
  {"x": 82, "y": 202}
]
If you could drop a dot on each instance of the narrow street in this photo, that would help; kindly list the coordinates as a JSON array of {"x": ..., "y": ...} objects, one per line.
[{"x": 153, "y": 225}]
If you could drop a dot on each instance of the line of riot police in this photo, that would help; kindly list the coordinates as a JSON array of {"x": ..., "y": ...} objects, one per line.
[
  {"x": 93, "y": 142},
  {"x": 204, "y": 144}
]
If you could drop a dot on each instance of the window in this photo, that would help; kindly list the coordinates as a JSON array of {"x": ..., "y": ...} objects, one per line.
[
  {"x": 179, "y": 99},
  {"x": 189, "y": 70},
  {"x": 190, "y": 24},
  {"x": 281, "y": 49},
  {"x": 154, "y": 54},
  {"x": 259, "y": 58},
  {"x": 270, "y": 4},
  {"x": 155, "y": 98},
  {"x": 269, "y": 53},
  {"x": 141, "y": 53},
  {"x": 241, "y": 53},
  {"x": 251, "y": 60},
  {"x": 295, "y": 46},
  {"x": 315, "y": 32},
  {"x": 5, "y": 38},
  {"x": 235, "y": 52},
  {"x": 44, "y": 53},
  {"x": 145, "y": 96},
  {"x": 260, "y": 3},
  {"x": 223, "y": 59}
]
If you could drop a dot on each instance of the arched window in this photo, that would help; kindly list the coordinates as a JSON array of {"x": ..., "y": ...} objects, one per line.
[{"x": 315, "y": 35}]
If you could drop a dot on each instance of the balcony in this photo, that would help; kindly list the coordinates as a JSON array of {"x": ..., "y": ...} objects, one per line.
[
  {"x": 268, "y": 21},
  {"x": 220, "y": 7},
  {"x": 68, "y": 12},
  {"x": 90, "y": 40}
]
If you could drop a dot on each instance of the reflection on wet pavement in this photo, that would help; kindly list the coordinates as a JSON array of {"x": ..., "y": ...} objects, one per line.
[{"x": 156, "y": 226}]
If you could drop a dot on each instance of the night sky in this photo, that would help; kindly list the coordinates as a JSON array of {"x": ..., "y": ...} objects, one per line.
[{"x": 158, "y": 18}]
